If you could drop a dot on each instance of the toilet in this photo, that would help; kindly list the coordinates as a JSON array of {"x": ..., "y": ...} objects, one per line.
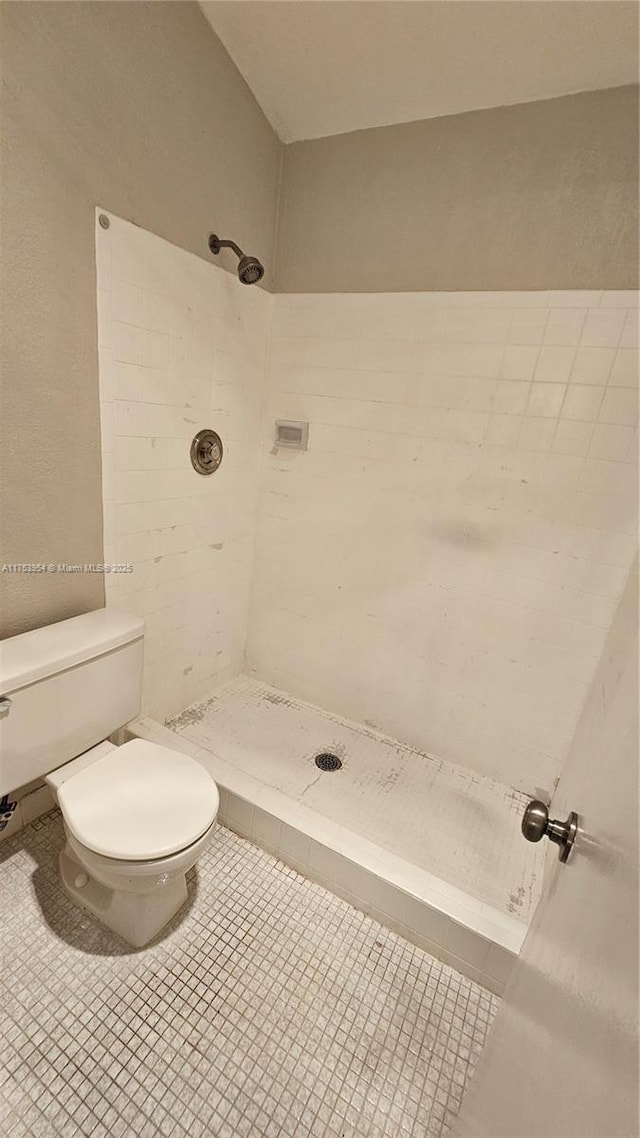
[{"x": 136, "y": 816}]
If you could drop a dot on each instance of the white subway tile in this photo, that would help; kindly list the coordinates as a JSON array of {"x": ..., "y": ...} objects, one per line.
[
  {"x": 582, "y": 402},
  {"x": 315, "y": 352},
  {"x": 127, "y": 303},
  {"x": 127, "y": 343},
  {"x": 629, "y": 338},
  {"x": 105, "y": 320},
  {"x": 333, "y": 322},
  {"x": 586, "y": 640},
  {"x": 600, "y": 477},
  {"x": 574, "y": 298},
  {"x": 239, "y": 815},
  {"x": 564, "y": 326},
  {"x": 554, "y": 364},
  {"x": 158, "y": 311},
  {"x": 610, "y": 442},
  {"x": 572, "y": 438},
  {"x": 592, "y": 365},
  {"x": 469, "y": 359},
  {"x": 536, "y": 434},
  {"x": 623, "y": 298},
  {"x": 624, "y": 372},
  {"x": 603, "y": 327},
  {"x": 478, "y": 325},
  {"x": 480, "y": 394},
  {"x": 511, "y": 397},
  {"x": 107, "y": 428},
  {"x": 528, "y": 326},
  {"x": 155, "y": 349},
  {"x": 294, "y": 846},
  {"x": 620, "y": 406},
  {"x": 265, "y": 830},
  {"x": 519, "y": 362},
  {"x": 467, "y": 945},
  {"x": 107, "y": 374},
  {"x": 129, "y": 262},
  {"x": 127, "y": 383},
  {"x": 545, "y": 399},
  {"x": 563, "y": 469}
]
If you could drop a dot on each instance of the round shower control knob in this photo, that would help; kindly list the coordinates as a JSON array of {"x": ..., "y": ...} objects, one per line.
[{"x": 206, "y": 451}]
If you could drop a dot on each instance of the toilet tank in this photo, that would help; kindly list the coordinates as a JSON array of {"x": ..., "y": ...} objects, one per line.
[{"x": 65, "y": 688}]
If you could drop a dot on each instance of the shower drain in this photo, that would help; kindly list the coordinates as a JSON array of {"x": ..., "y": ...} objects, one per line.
[{"x": 328, "y": 762}]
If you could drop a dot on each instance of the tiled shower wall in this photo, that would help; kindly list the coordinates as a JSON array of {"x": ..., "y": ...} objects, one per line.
[
  {"x": 445, "y": 559},
  {"x": 182, "y": 346}
]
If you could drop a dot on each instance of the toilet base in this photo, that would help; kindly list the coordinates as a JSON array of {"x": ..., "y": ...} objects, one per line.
[{"x": 136, "y": 917}]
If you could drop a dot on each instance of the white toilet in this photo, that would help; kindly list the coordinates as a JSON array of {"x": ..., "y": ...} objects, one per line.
[{"x": 137, "y": 816}]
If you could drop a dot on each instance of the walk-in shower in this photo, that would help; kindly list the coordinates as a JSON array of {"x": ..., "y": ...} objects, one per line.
[
  {"x": 250, "y": 269},
  {"x": 445, "y": 675}
]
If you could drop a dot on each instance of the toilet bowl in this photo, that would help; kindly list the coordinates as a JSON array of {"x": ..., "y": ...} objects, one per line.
[{"x": 136, "y": 818}]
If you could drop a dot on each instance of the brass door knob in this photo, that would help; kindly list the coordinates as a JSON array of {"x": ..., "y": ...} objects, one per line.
[{"x": 536, "y": 823}]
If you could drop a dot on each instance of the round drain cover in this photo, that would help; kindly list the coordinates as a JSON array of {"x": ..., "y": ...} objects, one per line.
[{"x": 328, "y": 762}]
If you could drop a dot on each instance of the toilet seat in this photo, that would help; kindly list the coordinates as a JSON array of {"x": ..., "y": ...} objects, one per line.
[{"x": 139, "y": 802}]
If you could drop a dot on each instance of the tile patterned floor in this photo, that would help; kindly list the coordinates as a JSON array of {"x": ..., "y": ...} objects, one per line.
[
  {"x": 446, "y": 819},
  {"x": 271, "y": 1008}
]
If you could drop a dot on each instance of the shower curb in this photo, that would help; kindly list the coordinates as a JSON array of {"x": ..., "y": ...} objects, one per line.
[{"x": 474, "y": 938}]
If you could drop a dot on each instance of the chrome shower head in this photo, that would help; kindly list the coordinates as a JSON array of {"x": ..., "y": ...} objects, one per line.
[{"x": 250, "y": 270}]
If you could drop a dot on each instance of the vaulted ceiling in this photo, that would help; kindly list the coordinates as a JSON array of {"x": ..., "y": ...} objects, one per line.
[{"x": 320, "y": 67}]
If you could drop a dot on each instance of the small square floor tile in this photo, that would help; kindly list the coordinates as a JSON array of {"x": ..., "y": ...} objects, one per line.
[{"x": 268, "y": 1008}]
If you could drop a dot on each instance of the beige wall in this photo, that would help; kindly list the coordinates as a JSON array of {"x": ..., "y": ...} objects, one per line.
[
  {"x": 138, "y": 108},
  {"x": 535, "y": 196}
]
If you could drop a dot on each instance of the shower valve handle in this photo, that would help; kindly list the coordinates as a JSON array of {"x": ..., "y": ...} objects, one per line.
[{"x": 536, "y": 824}]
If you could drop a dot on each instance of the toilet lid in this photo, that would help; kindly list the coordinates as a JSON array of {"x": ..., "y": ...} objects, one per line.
[{"x": 139, "y": 802}]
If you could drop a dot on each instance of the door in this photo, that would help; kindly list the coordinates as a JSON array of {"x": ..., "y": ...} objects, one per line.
[{"x": 561, "y": 1060}]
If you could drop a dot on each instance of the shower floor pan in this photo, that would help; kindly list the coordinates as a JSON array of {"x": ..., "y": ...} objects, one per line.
[{"x": 432, "y": 850}]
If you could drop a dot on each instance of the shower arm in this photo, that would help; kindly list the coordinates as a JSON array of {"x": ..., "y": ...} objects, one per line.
[{"x": 216, "y": 244}]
